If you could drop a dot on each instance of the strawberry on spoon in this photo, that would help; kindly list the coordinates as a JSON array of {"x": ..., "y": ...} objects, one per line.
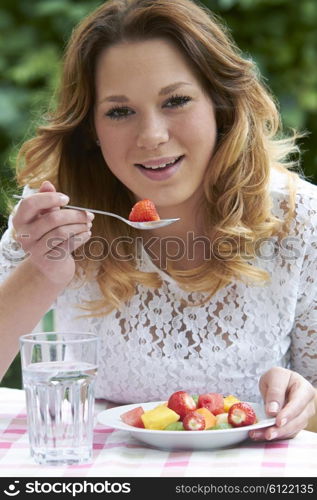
[{"x": 144, "y": 211}]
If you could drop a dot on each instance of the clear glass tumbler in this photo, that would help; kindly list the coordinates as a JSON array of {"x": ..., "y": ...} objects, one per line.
[{"x": 59, "y": 371}]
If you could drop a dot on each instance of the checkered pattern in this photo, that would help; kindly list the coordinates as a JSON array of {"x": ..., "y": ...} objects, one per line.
[{"x": 117, "y": 454}]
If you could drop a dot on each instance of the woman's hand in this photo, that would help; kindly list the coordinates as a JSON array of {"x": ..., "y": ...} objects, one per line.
[
  {"x": 289, "y": 397},
  {"x": 48, "y": 234}
]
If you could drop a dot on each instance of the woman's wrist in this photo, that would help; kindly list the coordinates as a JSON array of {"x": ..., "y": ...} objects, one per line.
[{"x": 56, "y": 283}]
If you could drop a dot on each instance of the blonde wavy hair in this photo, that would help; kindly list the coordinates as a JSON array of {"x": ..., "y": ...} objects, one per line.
[{"x": 237, "y": 202}]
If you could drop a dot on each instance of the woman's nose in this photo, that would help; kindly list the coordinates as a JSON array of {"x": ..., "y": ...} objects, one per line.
[{"x": 152, "y": 132}]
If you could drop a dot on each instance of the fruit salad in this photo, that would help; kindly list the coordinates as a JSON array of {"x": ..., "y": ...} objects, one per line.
[
  {"x": 144, "y": 211},
  {"x": 185, "y": 412}
]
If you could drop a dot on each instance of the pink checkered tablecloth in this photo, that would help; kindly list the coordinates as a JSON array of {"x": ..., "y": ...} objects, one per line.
[{"x": 117, "y": 454}]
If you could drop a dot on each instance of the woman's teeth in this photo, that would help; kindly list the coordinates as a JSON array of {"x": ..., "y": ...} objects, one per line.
[{"x": 163, "y": 165}]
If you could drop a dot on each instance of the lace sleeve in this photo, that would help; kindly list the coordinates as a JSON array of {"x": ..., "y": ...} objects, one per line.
[
  {"x": 304, "y": 334},
  {"x": 11, "y": 253}
]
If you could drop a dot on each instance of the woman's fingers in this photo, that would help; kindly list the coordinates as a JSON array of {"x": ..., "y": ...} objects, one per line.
[
  {"x": 45, "y": 224},
  {"x": 300, "y": 398},
  {"x": 49, "y": 235},
  {"x": 289, "y": 397},
  {"x": 286, "y": 394},
  {"x": 286, "y": 431},
  {"x": 273, "y": 386},
  {"x": 48, "y": 187},
  {"x": 55, "y": 238},
  {"x": 30, "y": 207},
  {"x": 69, "y": 246}
]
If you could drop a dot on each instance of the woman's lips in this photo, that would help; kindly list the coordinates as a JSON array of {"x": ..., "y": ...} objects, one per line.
[{"x": 161, "y": 174}]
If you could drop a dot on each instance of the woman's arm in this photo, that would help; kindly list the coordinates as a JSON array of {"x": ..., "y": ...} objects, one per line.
[
  {"x": 25, "y": 296},
  {"x": 41, "y": 228},
  {"x": 290, "y": 395}
]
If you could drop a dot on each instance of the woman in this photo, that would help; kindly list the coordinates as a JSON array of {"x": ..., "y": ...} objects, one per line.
[{"x": 156, "y": 102}]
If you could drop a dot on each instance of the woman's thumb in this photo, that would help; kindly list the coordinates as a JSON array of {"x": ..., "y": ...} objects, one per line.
[{"x": 47, "y": 186}]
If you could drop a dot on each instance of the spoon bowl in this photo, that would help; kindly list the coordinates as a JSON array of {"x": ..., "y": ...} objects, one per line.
[{"x": 153, "y": 224}]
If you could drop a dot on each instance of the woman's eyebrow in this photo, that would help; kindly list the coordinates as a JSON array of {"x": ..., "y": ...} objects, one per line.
[
  {"x": 172, "y": 87},
  {"x": 163, "y": 91}
]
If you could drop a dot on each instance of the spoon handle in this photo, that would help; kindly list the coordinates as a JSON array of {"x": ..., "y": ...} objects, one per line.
[
  {"x": 18, "y": 197},
  {"x": 97, "y": 212}
]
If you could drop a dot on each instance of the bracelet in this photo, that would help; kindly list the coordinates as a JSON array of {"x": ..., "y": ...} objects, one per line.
[{"x": 11, "y": 249}]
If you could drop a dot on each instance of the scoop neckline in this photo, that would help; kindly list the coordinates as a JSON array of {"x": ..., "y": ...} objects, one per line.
[{"x": 147, "y": 261}]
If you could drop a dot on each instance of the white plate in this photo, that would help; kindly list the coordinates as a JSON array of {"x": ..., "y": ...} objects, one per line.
[{"x": 182, "y": 440}]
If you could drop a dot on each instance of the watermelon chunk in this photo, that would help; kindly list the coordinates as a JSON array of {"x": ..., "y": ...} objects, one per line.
[
  {"x": 133, "y": 417},
  {"x": 213, "y": 401}
]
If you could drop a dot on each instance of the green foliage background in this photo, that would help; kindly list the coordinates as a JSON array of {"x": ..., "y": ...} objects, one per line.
[{"x": 280, "y": 35}]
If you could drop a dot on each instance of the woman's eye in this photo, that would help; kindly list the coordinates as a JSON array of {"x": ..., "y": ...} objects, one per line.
[
  {"x": 177, "y": 101},
  {"x": 118, "y": 112}
]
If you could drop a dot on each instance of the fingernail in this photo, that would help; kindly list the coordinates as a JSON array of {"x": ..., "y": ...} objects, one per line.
[
  {"x": 64, "y": 198},
  {"x": 89, "y": 224},
  {"x": 273, "y": 435},
  {"x": 273, "y": 407},
  {"x": 283, "y": 422},
  {"x": 90, "y": 215},
  {"x": 47, "y": 184}
]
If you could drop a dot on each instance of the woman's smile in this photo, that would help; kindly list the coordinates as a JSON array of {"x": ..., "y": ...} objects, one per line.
[{"x": 162, "y": 170}]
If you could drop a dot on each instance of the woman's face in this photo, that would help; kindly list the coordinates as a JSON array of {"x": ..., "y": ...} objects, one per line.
[{"x": 151, "y": 111}]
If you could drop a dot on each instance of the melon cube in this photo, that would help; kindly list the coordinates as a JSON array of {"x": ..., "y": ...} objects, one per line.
[
  {"x": 229, "y": 401},
  {"x": 210, "y": 419},
  {"x": 158, "y": 418}
]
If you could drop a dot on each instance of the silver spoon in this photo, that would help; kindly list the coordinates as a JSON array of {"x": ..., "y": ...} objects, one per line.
[{"x": 138, "y": 225}]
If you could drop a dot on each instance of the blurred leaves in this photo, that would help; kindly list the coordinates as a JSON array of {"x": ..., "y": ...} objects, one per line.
[
  {"x": 281, "y": 36},
  {"x": 13, "y": 376}
]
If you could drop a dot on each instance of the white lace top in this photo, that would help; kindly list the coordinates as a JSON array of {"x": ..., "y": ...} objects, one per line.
[{"x": 155, "y": 345}]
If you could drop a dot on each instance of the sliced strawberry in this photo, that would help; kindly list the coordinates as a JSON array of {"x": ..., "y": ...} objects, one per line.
[
  {"x": 212, "y": 401},
  {"x": 182, "y": 403},
  {"x": 241, "y": 414},
  {"x": 144, "y": 211},
  {"x": 133, "y": 417},
  {"x": 194, "y": 421}
]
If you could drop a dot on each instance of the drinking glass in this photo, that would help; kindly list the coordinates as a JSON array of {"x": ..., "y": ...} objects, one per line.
[{"x": 59, "y": 371}]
